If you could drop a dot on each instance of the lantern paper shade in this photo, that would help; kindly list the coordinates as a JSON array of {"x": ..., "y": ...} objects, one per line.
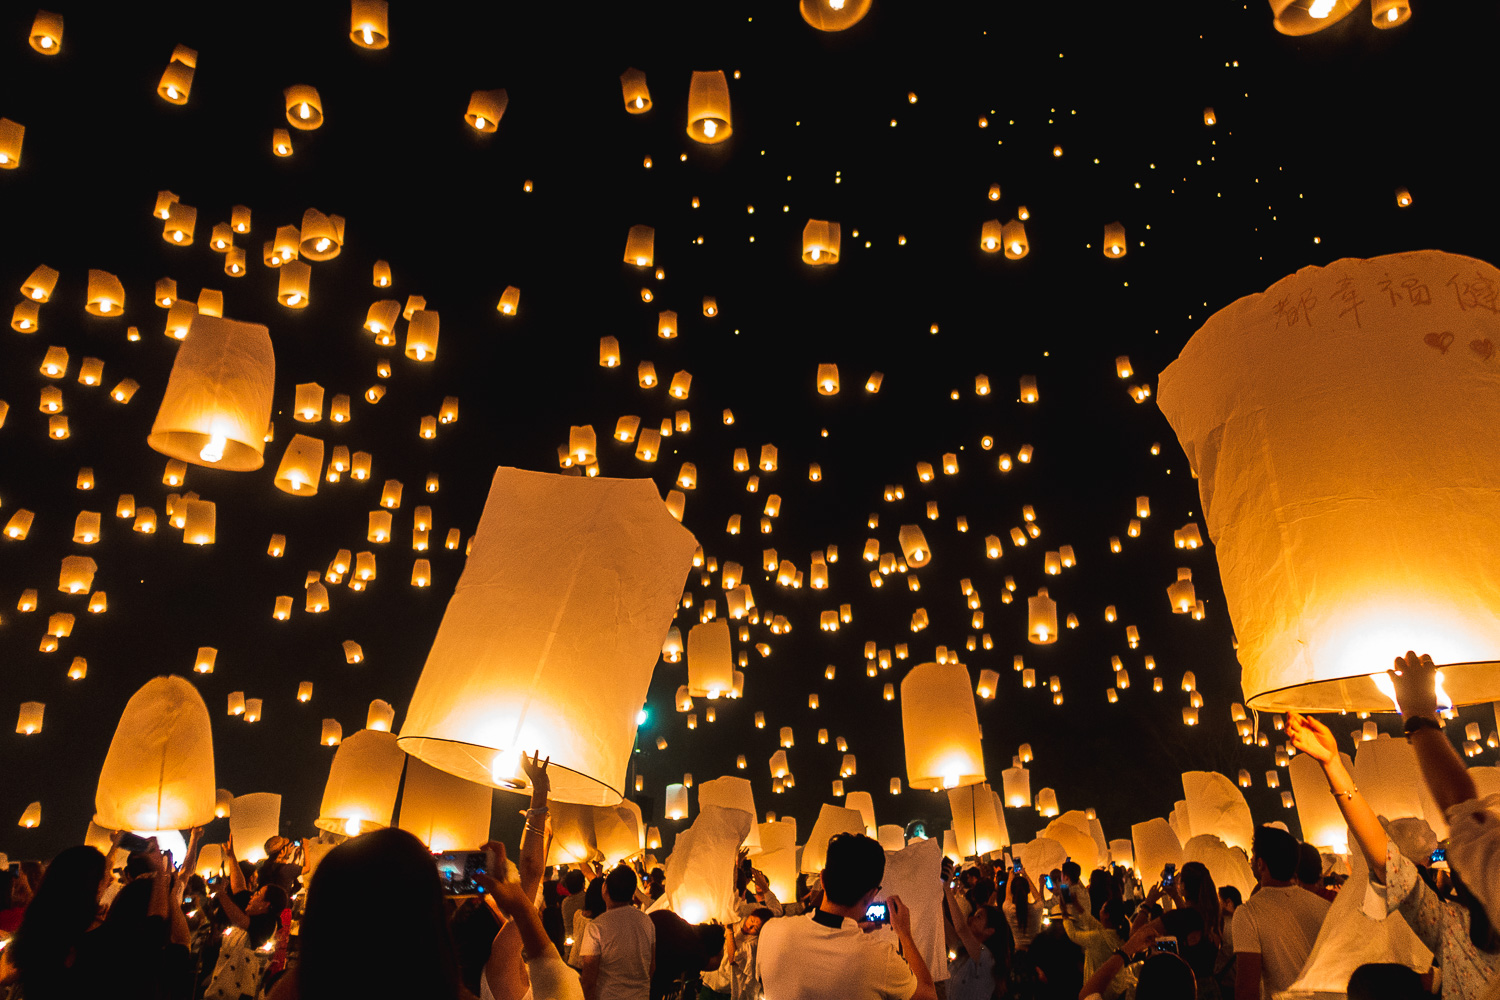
[
  {"x": 486, "y": 107},
  {"x": 978, "y": 825},
  {"x": 31, "y": 816},
  {"x": 218, "y": 399},
  {"x": 369, "y": 24},
  {"x": 11, "y": 136},
  {"x": 940, "y": 727},
  {"x": 831, "y": 820},
  {"x": 362, "y": 783},
  {"x": 47, "y": 33},
  {"x": 1078, "y": 843},
  {"x": 732, "y": 793},
  {"x": 710, "y": 662},
  {"x": 779, "y": 856},
  {"x": 709, "y": 120},
  {"x": 1155, "y": 846},
  {"x": 1215, "y": 806},
  {"x": 834, "y": 15},
  {"x": 637, "y": 96},
  {"x": 1226, "y": 866},
  {"x": 159, "y": 771},
  {"x": 1387, "y": 775},
  {"x": 254, "y": 819},
  {"x": 1303, "y": 17},
  {"x": 1317, "y": 811},
  {"x": 676, "y": 806},
  {"x": 559, "y": 615},
  {"x": 29, "y": 721},
  {"x": 301, "y": 466},
  {"x": 445, "y": 812},
  {"x": 1379, "y": 531},
  {"x": 820, "y": 242},
  {"x": 701, "y": 870}
]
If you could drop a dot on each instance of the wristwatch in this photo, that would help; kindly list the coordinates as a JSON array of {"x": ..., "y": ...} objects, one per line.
[{"x": 1420, "y": 722}]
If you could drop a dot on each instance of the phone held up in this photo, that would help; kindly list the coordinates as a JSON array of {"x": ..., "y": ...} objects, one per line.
[
  {"x": 1167, "y": 943},
  {"x": 877, "y": 913},
  {"x": 456, "y": 870},
  {"x": 1169, "y": 874}
]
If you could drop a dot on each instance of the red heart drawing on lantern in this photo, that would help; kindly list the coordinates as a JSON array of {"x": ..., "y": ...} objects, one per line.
[
  {"x": 1484, "y": 348},
  {"x": 1442, "y": 341}
]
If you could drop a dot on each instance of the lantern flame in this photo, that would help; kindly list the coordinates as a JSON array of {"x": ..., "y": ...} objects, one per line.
[
  {"x": 709, "y": 128},
  {"x": 503, "y": 770},
  {"x": 214, "y": 450}
]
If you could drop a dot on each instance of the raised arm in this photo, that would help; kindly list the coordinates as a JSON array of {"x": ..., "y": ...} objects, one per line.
[
  {"x": 960, "y": 928},
  {"x": 236, "y": 876},
  {"x": 1442, "y": 769},
  {"x": 901, "y": 924},
  {"x": 1142, "y": 939},
  {"x": 531, "y": 862},
  {"x": 1313, "y": 738}
]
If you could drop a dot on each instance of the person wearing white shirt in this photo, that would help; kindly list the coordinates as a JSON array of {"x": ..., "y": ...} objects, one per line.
[
  {"x": 827, "y": 954},
  {"x": 1275, "y": 929},
  {"x": 619, "y": 948}
]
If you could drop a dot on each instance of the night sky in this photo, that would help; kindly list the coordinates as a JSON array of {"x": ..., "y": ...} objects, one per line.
[{"x": 895, "y": 129}]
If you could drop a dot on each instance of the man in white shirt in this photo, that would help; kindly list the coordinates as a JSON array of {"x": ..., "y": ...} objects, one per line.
[
  {"x": 826, "y": 954},
  {"x": 619, "y": 947},
  {"x": 1275, "y": 928}
]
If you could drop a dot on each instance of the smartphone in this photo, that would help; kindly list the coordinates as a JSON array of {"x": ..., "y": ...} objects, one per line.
[
  {"x": 1441, "y": 854},
  {"x": 1047, "y": 882},
  {"x": 877, "y": 913},
  {"x": 456, "y": 871},
  {"x": 133, "y": 842},
  {"x": 1169, "y": 874},
  {"x": 1167, "y": 943}
]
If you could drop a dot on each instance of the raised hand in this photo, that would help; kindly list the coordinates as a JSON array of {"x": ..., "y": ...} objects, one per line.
[
  {"x": 1311, "y": 737},
  {"x": 1416, "y": 685},
  {"x": 535, "y": 769}
]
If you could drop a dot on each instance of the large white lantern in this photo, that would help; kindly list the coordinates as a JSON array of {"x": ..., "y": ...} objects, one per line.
[
  {"x": 832, "y": 820},
  {"x": 552, "y": 634},
  {"x": 444, "y": 811},
  {"x": 978, "y": 826},
  {"x": 1318, "y": 812},
  {"x": 253, "y": 820},
  {"x": 362, "y": 782},
  {"x": 1155, "y": 846},
  {"x": 1215, "y": 806},
  {"x": 159, "y": 772},
  {"x": 732, "y": 793},
  {"x": 217, "y": 404},
  {"x": 710, "y": 660},
  {"x": 940, "y": 727},
  {"x": 1348, "y": 529}
]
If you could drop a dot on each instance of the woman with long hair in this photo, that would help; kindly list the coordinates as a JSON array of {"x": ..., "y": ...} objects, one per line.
[
  {"x": 1023, "y": 913},
  {"x": 984, "y": 946},
  {"x": 63, "y": 909}
]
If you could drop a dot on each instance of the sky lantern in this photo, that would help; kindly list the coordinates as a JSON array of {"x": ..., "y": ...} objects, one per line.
[
  {"x": 159, "y": 772},
  {"x": 832, "y": 820},
  {"x": 486, "y": 107},
  {"x": 218, "y": 397},
  {"x": 732, "y": 792},
  {"x": 360, "y": 794},
  {"x": 29, "y": 721},
  {"x": 834, "y": 15},
  {"x": 422, "y": 335},
  {"x": 76, "y": 575},
  {"x": 39, "y": 284},
  {"x": 106, "y": 296},
  {"x": 1389, "y": 13},
  {"x": 510, "y": 301},
  {"x": 940, "y": 727},
  {"x": 301, "y": 466},
  {"x": 321, "y": 237},
  {"x": 637, "y": 96},
  {"x": 281, "y": 145},
  {"x": 1041, "y": 615},
  {"x": 1318, "y": 813},
  {"x": 294, "y": 284},
  {"x": 1304, "y": 17},
  {"x": 1013, "y": 233},
  {"x": 445, "y": 812},
  {"x": 332, "y": 733},
  {"x": 640, "y": 246},
  {"x": 991, "y": 236},
  {"x": 550, "y": 551},
  {"x": 1114, "y": 240},
  {"x": 1394, "y": 552},
  {"x": 31, "y": 816},
  {"x": 709, "y": 119},
  {"x": 12, "y": 134},
  {"x": 304, "y": 108},
  {"x": 828, "y": 380},
  {"x": 820, "y": 242},
  {"x": 177, "y": 80},
  {"x": 369, "y": 24},
  {"x": 710, "y": 661},
  {"x": 253, "y": 819},
  {"x": 47, "y": 33}
]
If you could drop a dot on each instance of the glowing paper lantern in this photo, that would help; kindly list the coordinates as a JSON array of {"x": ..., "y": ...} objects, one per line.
[
  {"x": 254, "y": 819},
  {"x": 294, "y": 284},
  {"x": 29, "y": 721},
  {"x": 709, "y": 120},
  {"x": 76, "y": 575},
  {"x": 106, "y": 296},
  {"x": 676, "y": 802},
  {"x": 940, "y": 727},
  {"x": 834, "y": 15},
  {"x": 1114, "y": 240},
  {"x": 820, "y": 242},
  {"x": 218, "y": 398},
  {"x": 332, "y": 734},
  {"x": 914, "y": 547},
  {"x": 637, "y": 96},
  {"x": 1303, "y": 17},
  {"x": 445, "y": 812},
  {"x": 159, "y": 772},
  {"x": 1215, "y": 806},
  {"x": 369, "y": 24},
  {"x": 47, "y": 33},
  {"x": 362, "y": 783},
  {"x": 486, "y": 107},
  {"x": 381, "y": 715},
  {"x": 301, "y": 466},
  {"x": 731, "y": 793},
  {"x": 31, "y": 816},
  {"x": 320, "y": 238},
  {"x": 572, "y": 583},
  {"x": 978, "y": 826},
  {"x": 1155, "y": 846},
  {"x": 1386, "y": 485},
  {"x": 710, "y": 660},
  {"x": 701, "y": 870},
  {"x": 177, "y": 81},
  {"x": 1041, "y": 613},
  {"x": 422, "y": 335},
  {"x": 1389, "y": 13},
  {"x": 1317, "y": 811}
]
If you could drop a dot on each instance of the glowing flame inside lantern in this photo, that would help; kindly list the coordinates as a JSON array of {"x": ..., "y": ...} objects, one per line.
[
  {"x": 368, "y": 36},
  {"x": 303, "y": 111},
  {"x": 1388, "y": 688},
  {"x": 710, "y": 127},
  {"x": 480, "y": 123},
  {"x": 503, "y": 770},
  {"x": 1320, "y": 8},
  {"x": 214, "y": 450}
]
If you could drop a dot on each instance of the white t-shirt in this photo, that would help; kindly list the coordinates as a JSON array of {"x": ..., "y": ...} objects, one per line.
[
  {"x": 1280, "y": 924},
  {"x": 624, "y": 938},
  {"x": 800, "y": 959}
]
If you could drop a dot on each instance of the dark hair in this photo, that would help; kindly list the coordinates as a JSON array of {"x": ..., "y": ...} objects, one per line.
[
  {"x": 1309, "y": 864},
  {"x": 1166, "y": 977},
  {"x": 60, "y": 913},
  {"x": 380, "y": 884},
  {"x": 1052, "y": 968},
  {"x": 1020, "y": 897},
  {"x": 1231, "y": 894},
  {"x": 130, "y": 904},
  {"x": 263, "y": 925},
  {"x": 1073, "y": 870},
  {"x": 619, "y": 884},
  {"x": 7, "y": 887},
  {"x": 1114, "y": 911},
  {"x": 1385, "y": 981},
  {"x": 1102, "y": 888},
  {"x": 710, "y": 943},
  {"x": 855, "y": 864},
  {"x": 763, "y": 912},
  {"x": 593, "y": 899},
  {"x": 1001, "y": 943},
  {"x": 1198, "y": 892},
  {"x": 1278, "y": 849},
  {"x": 573, "y": 881}
]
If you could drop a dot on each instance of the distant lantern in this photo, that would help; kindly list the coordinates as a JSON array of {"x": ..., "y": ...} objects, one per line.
[
  {"x": 1389, "y": 13},
  {"x": 29, "y": 721},
  {"x": 1303, "y": 17},
  {"x": 304, "y": 108},
  {"x": 820, "y": 242},
  {"x": 637, "y": 96},
  {"x": 12, "y": 134},
  {"x": 1403, "y": 197},
  {"x": 301, "y": 466},
  {"x": 1114, "y": 240},
  {"x": 332, "y": 734},
  {"x": 828, "y": 380},
  {"x": 294, "y": 284},
  {"x": 363, "y": 779},
  {"x": 914, "y": 547},
  {"x": 25, "y": 318},
  {"x": 486, "y": 108},
  {"x": 635, "y": 553},
  {"x": 510, "y": 301},
  {"x": 1313, "y": 648},
  {"x": 1028, "y": 389},
  {"x": 47, "y": 33},
  {"x": 321, "y": 237},
  {"x": 177, "y": 81},
  {"x": 640, "y": 246},
  {"x": 31, "y": 816},
  {"x": 159, "y": 771},
  {"x": 199, "y": 525},
  {"x": 1041, "y": 618},
  {"x": 991, "y": 236},
  {"x": 76, "y": 575},
  {"x": 709, "y": 120},
  {"x": 940, "y": 727},
  {"x": 422, "y": 335},
  {"x": 106, "y": 296},
  {"x": 380, "y": 716},
  {"x": 1013, "y": 233},
  {"x": 710, "y": 306},
  {"x": 281, "y": 145},
  {"x": 369, "y": 24},
  {"x": 352, "y": 652},
  {"x": 834, "y": 15},
  {"x": 218, "y": 398}
]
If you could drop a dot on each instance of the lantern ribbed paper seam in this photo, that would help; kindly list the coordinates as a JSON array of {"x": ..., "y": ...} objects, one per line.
[
  {"x": 218, "y": 399},
  {"x": 552, "y": 634},
  {"x": 1343, "y": 426}
]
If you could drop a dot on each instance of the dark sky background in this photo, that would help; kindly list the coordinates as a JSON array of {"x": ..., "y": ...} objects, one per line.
[{"x": 1313, "y": 136}]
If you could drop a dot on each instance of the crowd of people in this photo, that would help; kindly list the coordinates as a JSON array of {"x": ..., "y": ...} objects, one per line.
[{"x": 374, "y": 920}]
